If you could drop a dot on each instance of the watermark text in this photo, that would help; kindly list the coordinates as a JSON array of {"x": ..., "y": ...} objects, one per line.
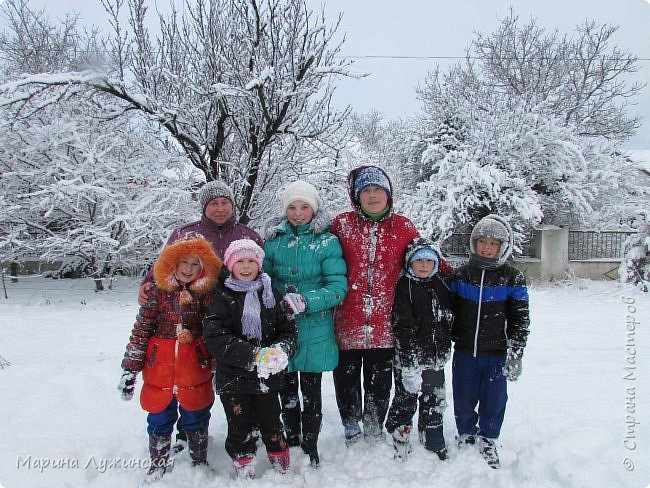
[
  {"x": 630, "y": 380},
  {"x": 100, "y": 464}
]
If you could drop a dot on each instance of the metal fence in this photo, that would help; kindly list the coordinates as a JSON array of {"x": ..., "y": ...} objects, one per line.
[
  {"x": 583, "y": 244},
  {"x": 588, "y": 244},
  {"x": 458, "y": 245}
]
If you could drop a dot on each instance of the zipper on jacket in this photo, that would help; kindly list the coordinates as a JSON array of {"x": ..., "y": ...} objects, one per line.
[
  {"x": 478, "y": 313},
  {"x": 203, "y": 362},
  {"x": 152, "y": 358},
  {"x": 368, "y": 298},
  {"x": 179, "y": 326}
]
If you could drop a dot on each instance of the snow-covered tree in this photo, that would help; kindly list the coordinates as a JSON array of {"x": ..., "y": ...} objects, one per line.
[
  {"x": 529, "y": 126},
  {"x": 243, "y": 86},
  {"x": 580, "y": 77},
  {"x": 375, "y": 140},
  {"x": 95, "y": 192},
  {"x": 635, "y": 267},
  {"x": 34, "y": 43},
  {"x": 99, "y": 196}
]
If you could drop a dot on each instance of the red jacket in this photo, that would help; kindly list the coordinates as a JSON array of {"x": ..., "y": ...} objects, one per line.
[
  {"x": 168, "y": 366},
  {"x": 373, "y": 252}
]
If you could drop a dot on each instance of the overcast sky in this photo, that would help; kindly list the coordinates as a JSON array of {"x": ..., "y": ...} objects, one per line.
[{"x": 396, "y": 32}]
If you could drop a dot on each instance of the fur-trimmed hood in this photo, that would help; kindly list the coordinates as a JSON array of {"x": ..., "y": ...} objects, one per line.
[
  {"x": 277, "y": 225},
  {"x": 190, "y": 245}
]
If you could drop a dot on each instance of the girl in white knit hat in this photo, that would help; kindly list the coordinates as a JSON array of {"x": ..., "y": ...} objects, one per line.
[{"x": 306, "y": 265}]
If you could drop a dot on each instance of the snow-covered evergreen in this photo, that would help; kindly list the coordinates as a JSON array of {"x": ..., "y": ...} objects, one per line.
[{"x": 635, "y": 267}]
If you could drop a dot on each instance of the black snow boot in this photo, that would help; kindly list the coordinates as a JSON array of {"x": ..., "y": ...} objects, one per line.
[
  {"x": 198, "y": 446},
  {"x": 488, "y": 449},
  {"x": 291, "y": 419},
  {"x": 310, "y": 430}
]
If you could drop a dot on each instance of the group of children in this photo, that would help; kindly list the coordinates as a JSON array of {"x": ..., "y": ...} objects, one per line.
[{"x": 363, "y": 293}]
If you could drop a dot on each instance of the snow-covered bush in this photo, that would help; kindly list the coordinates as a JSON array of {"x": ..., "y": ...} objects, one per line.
[{"x": 635, "y": 267}]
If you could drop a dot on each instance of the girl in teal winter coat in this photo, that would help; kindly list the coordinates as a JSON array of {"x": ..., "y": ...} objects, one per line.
[{"x": 306, "y": 266}]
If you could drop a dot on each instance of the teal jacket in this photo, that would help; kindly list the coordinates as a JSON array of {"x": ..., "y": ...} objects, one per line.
[{"x": 308, "y": 260}]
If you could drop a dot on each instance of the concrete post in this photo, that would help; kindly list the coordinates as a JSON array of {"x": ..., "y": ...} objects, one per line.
[{"x": 553, "y": 252}]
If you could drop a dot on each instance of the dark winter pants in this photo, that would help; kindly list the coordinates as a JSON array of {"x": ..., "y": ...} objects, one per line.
[
  {"x": 160, "y": 424},
  {"x": 432, "y": 403},
  {"x": 312, "y": 403},
  {"x": 479, "y": 381},
  {"x": 376, "y": 365},
  {"x": 241, "y": 412}
]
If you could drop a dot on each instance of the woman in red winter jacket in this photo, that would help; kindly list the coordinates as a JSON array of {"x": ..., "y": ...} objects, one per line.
[{"x": 373, "y": 239}]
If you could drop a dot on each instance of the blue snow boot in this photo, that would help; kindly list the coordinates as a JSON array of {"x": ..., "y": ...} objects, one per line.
[{"x": 352, "y": 433}]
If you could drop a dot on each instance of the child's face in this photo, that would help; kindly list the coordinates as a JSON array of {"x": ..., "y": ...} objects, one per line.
[
  {"x": 299, "y": 212},
  {"x": 373, "y": 199},
  {"x": 188, "y": 269},
  {"x": 487, "y": 247},
  {"x": 245, "y": 269},
  {"x": 423, "y": 267}
]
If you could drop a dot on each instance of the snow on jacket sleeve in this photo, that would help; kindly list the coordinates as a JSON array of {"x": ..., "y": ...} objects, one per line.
[
  {"x": 404, "y": 326},
  {"x": 443, "y": 322},
  {"x": 220, "y": 338},
  {"x": 285, "y": 329},
  {"x": 518, "y": 315},
  {"x": 145, "y": 326},
  {"x": 335, "y": 282}
]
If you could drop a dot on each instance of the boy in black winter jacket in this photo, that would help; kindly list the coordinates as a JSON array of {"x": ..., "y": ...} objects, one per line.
[
  {"x": 490, "y": 304},
  {"x": 422, "y": 328}
]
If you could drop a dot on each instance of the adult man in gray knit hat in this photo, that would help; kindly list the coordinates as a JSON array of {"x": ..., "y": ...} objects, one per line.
[{"x": 220, "y": 227}]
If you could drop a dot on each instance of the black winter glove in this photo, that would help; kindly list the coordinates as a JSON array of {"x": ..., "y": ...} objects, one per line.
[{"x": 127, "y": 384}]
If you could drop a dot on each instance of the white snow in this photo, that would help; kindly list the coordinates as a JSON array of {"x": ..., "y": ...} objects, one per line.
[{"x": 568, "y": 422}]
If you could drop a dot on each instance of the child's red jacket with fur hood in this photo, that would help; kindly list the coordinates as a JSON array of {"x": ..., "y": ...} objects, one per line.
[{"x": 168, "y": 366}]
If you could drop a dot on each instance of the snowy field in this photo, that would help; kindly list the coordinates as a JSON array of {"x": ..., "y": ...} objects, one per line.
[{"x": 578, "y": 417}]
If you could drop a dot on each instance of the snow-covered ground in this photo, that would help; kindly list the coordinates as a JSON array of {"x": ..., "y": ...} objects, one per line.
[{"x": 578, "y": 417}]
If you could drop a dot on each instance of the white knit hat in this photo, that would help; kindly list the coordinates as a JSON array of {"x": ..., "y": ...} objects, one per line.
[
  {"x": 212, "y": 190},
  {"x": 301, "y": 190}
]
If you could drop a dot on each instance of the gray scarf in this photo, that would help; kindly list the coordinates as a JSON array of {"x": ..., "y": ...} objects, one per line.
[
  {"x": 484, "y": 263},
  {"x": 251, "y": 322}
]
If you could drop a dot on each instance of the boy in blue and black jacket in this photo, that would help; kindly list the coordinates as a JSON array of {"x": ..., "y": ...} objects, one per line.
[{"x": 490, "y": 304}]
